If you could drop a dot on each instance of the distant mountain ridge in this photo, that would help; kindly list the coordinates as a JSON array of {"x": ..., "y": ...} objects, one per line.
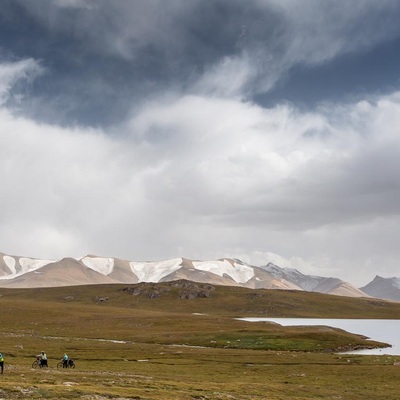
[
  {"x": 25, "y": 272},
  {"x": 385, "y": 288},
  {"x": 312, "y": 283}
]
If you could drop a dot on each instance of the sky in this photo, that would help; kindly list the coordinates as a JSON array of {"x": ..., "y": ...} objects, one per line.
[{"x": 263, "y": 130}]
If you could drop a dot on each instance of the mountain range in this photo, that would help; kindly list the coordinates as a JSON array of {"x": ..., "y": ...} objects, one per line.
[{"x": 25, "y": 272}]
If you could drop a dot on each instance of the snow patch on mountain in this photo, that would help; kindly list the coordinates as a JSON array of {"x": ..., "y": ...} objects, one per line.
[
  {"x": 23, "y": 266},
  {"x": 155, "y": 271},
  {"x": 10, "y": 262},
  {"x": 238, "y": 272},
  {"x": 31, "y": 264},
  {"x": 99, "y": 264}
]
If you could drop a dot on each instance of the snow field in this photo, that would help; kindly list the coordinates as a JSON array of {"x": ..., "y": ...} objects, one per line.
[
  {"x": 239, "y": 273},
  {"x": 155, "y": 271},
  {"x": 99, "y": 264}
]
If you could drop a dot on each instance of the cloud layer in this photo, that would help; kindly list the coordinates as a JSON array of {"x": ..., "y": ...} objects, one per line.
[{"x": 133, "y": 130}]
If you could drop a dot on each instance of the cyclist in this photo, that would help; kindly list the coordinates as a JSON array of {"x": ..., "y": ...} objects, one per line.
[
  {"x": 1, "y": 363},
  {"x": 43, "y": 359},
  {"x": 65, "y": 360}
]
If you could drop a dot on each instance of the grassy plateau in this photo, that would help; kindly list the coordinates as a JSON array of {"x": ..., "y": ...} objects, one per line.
[{"x": 181, "y": 340}]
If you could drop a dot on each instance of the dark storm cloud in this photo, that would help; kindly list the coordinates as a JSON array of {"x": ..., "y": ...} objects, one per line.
[
  {"x": 105, "y": 57},
  {"x": 347, "y": 78}
]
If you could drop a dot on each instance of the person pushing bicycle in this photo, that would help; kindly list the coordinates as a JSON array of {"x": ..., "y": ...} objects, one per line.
[
  {"x": 65, "y": 360},
  {"x": 43, "y": 359}
]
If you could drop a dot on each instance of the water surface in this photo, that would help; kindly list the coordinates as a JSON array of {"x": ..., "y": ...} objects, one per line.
[{"x": 381, "y": 330}]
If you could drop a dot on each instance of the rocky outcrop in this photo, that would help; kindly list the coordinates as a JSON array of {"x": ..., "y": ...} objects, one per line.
[{"x": 187, "y": 290}]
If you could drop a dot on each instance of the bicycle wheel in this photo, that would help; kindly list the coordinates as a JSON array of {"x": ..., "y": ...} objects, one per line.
[
  {"x": 35, "y": 364},
  {"x": 60, "y": 364}
]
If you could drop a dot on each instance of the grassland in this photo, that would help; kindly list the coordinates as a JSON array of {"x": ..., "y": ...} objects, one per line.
[{"x": 182, "y": 341}]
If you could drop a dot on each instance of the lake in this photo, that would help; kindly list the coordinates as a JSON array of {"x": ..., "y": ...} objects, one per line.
[{"x": 381, "y": 330}]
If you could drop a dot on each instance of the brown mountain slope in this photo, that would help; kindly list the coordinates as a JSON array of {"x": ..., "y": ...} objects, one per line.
[{"x": 66, "y": 272}]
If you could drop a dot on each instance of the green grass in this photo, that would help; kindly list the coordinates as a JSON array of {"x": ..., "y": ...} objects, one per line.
[{"x": 187, "y": 349}]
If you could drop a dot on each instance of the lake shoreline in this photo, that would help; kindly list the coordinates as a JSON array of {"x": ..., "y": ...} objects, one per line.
[{"x": 381, "y": 333}]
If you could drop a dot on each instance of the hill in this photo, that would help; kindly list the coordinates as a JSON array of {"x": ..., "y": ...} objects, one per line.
[{"x": 187, "y": 297}]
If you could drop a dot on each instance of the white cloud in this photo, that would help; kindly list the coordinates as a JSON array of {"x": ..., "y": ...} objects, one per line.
[
  {"x": 228, "y": 77},
  {"x": 210, "y": 176},
  {"x": 250, "y": 151},
  {"x": 12, "y": 72}
]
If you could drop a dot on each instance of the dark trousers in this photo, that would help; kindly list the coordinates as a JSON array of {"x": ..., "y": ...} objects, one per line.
[{"x": 2, "y": 366}]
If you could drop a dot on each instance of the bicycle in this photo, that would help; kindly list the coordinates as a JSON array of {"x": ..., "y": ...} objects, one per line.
[
  {"x": 70, "y": 364},
  {"x": 38, "y": 363}
]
